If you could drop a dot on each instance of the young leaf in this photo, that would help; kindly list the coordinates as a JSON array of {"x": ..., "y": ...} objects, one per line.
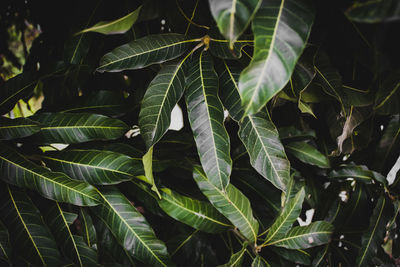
[
  {"x": 233, "y": 16},
  {"x": 16, "y": 169},
  {"x": 117, "y": 26},
  {"x": 232, "y": 204},
  {"x": 302, "y": 237},
  {"x": 281, "y": 29},
  {"x": 28, "y": 234},
  {"x": 130, "y": 228},
  {"x": 73, "y": 246},
  {"x": 17, "y": 128},
  {"x": 307, "y": 154},
  {"x": 69, "y": 128},
  {"x": 94, "y": 166},
  {"x": 206, "y": 118},
  {"x": 197, "y": 214},
  {"x": 237, "y": 258},
  {"x": 144, "y": 52},
  {"x": 267, "y": 155},
  {"x": 148, "y": 170},
  {"x": 160, "y": 98}
]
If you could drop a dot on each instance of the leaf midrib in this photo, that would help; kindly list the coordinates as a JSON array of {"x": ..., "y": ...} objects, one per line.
[
  {"x": 305, "y": 153},
  {"x": 297, "y": 236}
]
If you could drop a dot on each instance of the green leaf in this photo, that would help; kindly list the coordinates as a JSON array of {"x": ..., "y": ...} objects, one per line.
[
  {"x": 5, "y": 246},
  {"x": 232, "y": 204},
  {"x": 307, "y": 154},
  {"x": 237, "y": 258},
  {"x": 17, "y": 128},
  {"x": 206, "y": 117},
  {"x": 259, "y": 262},
  {"x": 318, "y": 260},
  {"x": 197, "y": 214},
  {"x": 220, "y": 47},
  {"x": 228, "y": 74},
  {"x": 297, "y": 256},
  {"x": 148, "y": 170},
  {"x": 372, "y": 239},
  {"x": 29, "y": 236},
  {"x": 233, "y": 16},
  {"x": 281, "y": 29},
  {"x": 358, "y": 172},
  {"x": 94, "y": 166},
  {"x": 71, "y": 128},
  {"x": 87, "y": 230},
  {"x": 374, "y": 11},
  {"x": 73, "y": 246},
  {"x": 291, "y": 133},
  {"x": 16, "y": 169},
  {"x": 302, "y": 237},
  {"x": 387, "y": 99},
  {"x": 267, "y": 155},
  {"x": 145, "y": 51},
  {"x": 130, "y": 228},
  {"x": 160, "y": 98},
  {"x": 117, "y": 26},
  {"x": 286, "y": 218}
]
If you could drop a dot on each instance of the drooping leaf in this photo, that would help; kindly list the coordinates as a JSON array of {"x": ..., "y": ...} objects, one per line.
[
  {"x": 387, "y": 99},
  {"x": 232, "y": 204},
  {"x": 160, "y": 98},
  {"x": 302, "y": 237},
  {"x": 17, "y": 128},
  {"x": 358, "y": 172},
  {"x": 267, "y": 155},
  {"x": 307, "y": 154},
  {"x": 237, "y": 258},
  {"x": 374, "y": 11},
  {"x": 16, "y": 169},
  {"x": 228, "y": 74},
  {"x": 130, "y": 228},
  {"x": 372, "y": 239},
  {"x": 206, "y": 117},
  {"x": 5, "y": 246},
  {"x": 94, "y": 166},
  {"x": 72, "y": 245},
  {"x": 71, "y": 128},
  {"x": 259, "y": 262},
  {"x": 197, "y": 214},
  {"x": 281, "y": 30},
  {"x": 120, "y": 25},
  {"x": 145, "y": 51},
  {"x": 286, "y": 218},
  {"x": 233, "y": 16},
  {"x": 29, "y": 236},
  {"x": 87, "y": 229}
]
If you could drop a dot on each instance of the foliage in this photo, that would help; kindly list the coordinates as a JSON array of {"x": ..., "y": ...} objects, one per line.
[{"x": 290, "y": 114}]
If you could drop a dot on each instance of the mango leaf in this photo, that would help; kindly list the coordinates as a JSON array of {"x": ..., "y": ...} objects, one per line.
[
  {"x": 73, "y": 246},
  {"x": 233, "y": 16},
  {"x": 160, "y": 98},
  {"x": 286, "y": 218},
  {"x": 197, "y": 214},
  {"x": 358, "y": 172},
  {"x": 374, "y": 11},
  {"x": 228, "y": 74},
  {"x": 232, "y": 204},
  {"x": 16, "y": 169},
  {"x": 372, "y": 239},
  {"x": 318, "y": 260},
  {"x": 284, "y": 26},
  {"x": 17, "y": 128},
  {"x": 267, "y": 155},
  {"x": 291, "y": 133},
  {"x": 5, "y": 246},
  {"x": 387, "y": 99},
  {"x": 307, "y": 154},
  {"x": 259, "y": 262},
  {"x": 297, "y": 256},
  {"x": 29, "y": 236},
  {"x": 222, "y": 48},
  {"x": 206, "y": 117},
  {"x": 144, "y": 52},
  {"x": 117, "y": 26},
  {"x": 71, "y": 128},
  {"x": 302, "y": 237},
  {"x": 87, "y": 229},
  {"x": 94, "y": 166},
  {"x": 148, "y": 170},
  {"x": 130, "y": 228},
  {"x": 237, "y": 258}
]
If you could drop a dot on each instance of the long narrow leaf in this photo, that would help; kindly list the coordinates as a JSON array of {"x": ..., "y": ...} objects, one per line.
[{"x": 17, "y": 128}]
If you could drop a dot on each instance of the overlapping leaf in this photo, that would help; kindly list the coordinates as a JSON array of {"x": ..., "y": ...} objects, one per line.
[
  {"x": 206, "y": 118},
  {"x": 267, "y": 155},
  {"x": 281, "y": 30},
  {"x": 94, "y": 166},
  {"x": 374, "y": 11},
  {"x": 87, "y": 229},
  {"x": 307, "y": 154},
  {"x": 145, "y": 51},
  {"x": 130, "y": 228},
  {"x": 387, "y": 100},
  {"x": 16, "y": 169},
  {"x": 358, "y": 172},
  {"x": 259, "y": 262},
  {"x": 71, "y": 128},
  {"x": 17, "y": 128},
  {"x": 232, "y": 204},
  {"x": 237, "y": 258}
]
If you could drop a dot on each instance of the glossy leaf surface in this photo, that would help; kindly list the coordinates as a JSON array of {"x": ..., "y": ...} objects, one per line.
[{"x": 17, "y": 128}]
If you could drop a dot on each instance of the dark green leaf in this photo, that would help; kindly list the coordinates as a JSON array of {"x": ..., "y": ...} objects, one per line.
[
  {"x": 87, "y": 228},
  {"x": 358, "y": 172},
  {"x": 374, "y": 11},
  {"x": 17, "y": 128},
  {"x": 387, "y": 99},
  {"x": 259, "y": 262},
  {"x": 307, "y": 154},
  {"x": 5, "y": 246},
  {"x": 297, "y": 256},
  {"x": 287, "y": 134},
  {"x": 237, "y": 258}
]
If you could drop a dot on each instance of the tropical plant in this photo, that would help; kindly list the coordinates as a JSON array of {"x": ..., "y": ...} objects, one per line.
[{"x": 291, "y": 129}]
